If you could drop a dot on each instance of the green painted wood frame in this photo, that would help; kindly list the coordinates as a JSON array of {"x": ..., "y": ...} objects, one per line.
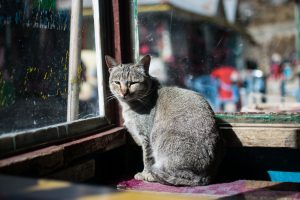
[{"x": 258, "y": 118}]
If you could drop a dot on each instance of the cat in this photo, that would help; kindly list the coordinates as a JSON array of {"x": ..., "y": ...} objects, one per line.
[{"x": 175, "y": 127}]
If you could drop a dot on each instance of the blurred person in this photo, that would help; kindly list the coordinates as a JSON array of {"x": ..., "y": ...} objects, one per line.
[
  {"x": 207, "y": 86},
  {"x": 88, "y": 94},
  {"x": 275, "y": 79},
  {"x": 275, "y": 68},
  {"x": 254, "y": 84},
  {"x": 228, "y": 91},
  {"x": 158, "y": 69},
  {"x": 286, "y": 75}
]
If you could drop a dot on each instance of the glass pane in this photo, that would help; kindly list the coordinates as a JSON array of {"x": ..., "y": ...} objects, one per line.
[
  {"x": 241, "y": 55},
  {"x": 34, "y": 64},
  {"x": 88, "y": 95}
]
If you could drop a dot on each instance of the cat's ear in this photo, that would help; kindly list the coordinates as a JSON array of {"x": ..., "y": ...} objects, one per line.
[
  {"x": 110, "y": 62},
  {"x": 145, "y": 62}
]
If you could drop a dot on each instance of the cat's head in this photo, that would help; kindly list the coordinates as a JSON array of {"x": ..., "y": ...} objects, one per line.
[{"x": 129, "y": 82}]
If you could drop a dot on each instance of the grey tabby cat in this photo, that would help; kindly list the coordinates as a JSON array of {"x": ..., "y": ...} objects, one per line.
[{"x": 175, "y": 127}]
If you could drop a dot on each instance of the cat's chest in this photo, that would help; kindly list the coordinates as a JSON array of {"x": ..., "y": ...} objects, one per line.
[{"x": 136, "y": 124}]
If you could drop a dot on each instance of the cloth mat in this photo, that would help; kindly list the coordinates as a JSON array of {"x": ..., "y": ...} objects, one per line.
[{"x": 229, "y": 190}]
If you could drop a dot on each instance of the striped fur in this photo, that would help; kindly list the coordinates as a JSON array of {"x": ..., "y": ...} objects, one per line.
[{"x": 175, "y": 127}]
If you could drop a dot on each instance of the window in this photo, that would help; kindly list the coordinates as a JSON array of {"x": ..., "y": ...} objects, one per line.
[
  {"x": 242, "y": 56},
  {"x": 52, "y": 82}
]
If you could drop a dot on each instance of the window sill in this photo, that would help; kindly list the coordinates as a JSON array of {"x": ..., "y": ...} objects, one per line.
[
  {"x": 261, "y": 135},
  {"x": 49, "y": 159},
  {"x": 274, "y": 130},
  {"x": 12, "y": 143}
]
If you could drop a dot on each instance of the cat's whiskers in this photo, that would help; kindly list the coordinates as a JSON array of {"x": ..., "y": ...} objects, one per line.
[
  {"x": 146, "y": 94},
  {"x": 142, "y": 102},
  {"x": 138, "y": 99},
  {"x": 110, "y": 97}
]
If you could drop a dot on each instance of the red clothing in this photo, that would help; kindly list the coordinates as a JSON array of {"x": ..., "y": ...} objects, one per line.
[
  {"x": 223, "y": 74},
  {"x": 275, "y": 71}
]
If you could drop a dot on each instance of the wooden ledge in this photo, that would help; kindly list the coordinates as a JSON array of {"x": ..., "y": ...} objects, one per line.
[
  {"x": 44, "y": 161},
  {"x": 262, "y": 135}
]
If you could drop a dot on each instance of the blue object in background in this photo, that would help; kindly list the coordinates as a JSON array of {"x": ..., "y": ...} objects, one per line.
[
  {"x": 208, "y": 87},
  {"x": 281, "y": 176}
]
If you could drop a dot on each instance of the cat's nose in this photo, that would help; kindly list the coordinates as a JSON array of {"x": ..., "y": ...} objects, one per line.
[{"x": 124, "y": 93}]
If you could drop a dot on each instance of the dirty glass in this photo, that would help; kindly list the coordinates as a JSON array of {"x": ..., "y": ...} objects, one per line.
[
  {"x": 34, "y": 64},
  {"x": 241, "y": 55}
]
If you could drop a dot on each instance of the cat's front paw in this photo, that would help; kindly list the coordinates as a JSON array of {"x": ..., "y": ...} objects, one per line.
[{"x": 144, "y": 176}]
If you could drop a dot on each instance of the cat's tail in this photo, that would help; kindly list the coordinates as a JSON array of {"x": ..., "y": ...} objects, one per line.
[{"x": 181, "y": 178}]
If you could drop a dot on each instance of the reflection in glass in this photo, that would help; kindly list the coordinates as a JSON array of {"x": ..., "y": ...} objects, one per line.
[
  {"x": 88, "y": 95},
  {"x": 34, "y": 46},
  {"x": 240, "y": 54}
]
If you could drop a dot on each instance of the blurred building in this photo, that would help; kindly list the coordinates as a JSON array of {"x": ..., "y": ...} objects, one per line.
[
  {"x": 191, "y": 39},
  {"x": 191, "y": 36},
  {"x": 272, "y": 25}
]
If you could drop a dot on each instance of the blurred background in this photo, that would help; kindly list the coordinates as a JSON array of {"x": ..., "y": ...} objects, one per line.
[{"x": 241, "y": 55}]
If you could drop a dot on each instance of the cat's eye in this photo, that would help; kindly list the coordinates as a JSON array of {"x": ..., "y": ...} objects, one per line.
[
  {"x": 134, "y": 82},
  {"x": 117, "y": 82}
]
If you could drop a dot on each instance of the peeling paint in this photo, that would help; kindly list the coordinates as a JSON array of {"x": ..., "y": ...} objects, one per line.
[{"x": 290, "y": 118}]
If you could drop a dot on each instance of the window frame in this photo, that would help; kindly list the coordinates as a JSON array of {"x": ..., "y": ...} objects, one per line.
[
  {"x": 112, "y": 42},
  {"x": 257, "y": 118},
  {"x": 117, "y": 44}
]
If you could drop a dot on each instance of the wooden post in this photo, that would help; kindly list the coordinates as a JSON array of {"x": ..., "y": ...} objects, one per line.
[
  {"x": 74, "y": 60},
  {"x": 297, "y": 23},
  {"x": 134, "y": 29},
  {"x": 96, "y": 15}
]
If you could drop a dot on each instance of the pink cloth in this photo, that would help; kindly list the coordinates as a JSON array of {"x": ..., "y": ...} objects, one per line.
[{"x": 231, "y": 189}]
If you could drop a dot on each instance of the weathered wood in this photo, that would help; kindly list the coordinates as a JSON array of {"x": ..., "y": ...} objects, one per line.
[
  {"x": 35, "y": 163},
  {"x": 279, "y": 135},
  {"x": 46, "y": 160},
  {"x": 258, "y": 118},
  {"x": 78, "y": 172},
  {"x": 117, "y": 32},
  {"x": 74, "y": 60},
  {"x": 99, "y": 58},
  {"x": 297, "y": 26},
  {"x": 99, "y": 142}
]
